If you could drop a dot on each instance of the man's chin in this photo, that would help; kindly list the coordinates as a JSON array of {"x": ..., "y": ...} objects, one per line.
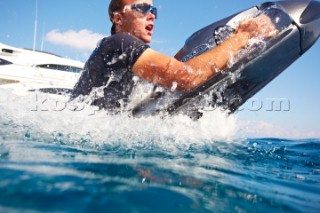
[{"x": 146, "y": 39}]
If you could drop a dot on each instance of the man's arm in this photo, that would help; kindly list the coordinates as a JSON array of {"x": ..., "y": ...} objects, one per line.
[{"x": 164, "y": 70}]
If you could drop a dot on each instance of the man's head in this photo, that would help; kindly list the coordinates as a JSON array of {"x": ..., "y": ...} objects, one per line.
[{"x": 133, "y": 16}]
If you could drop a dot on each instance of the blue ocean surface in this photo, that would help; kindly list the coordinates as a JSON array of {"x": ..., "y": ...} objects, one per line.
[{"x": 62, "y": 161}]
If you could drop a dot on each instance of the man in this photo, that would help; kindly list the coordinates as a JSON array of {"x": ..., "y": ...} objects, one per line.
[{"x": 111, "y": 71}]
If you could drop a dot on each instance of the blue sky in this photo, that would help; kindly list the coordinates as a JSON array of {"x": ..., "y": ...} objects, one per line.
[{"x": 72, "y": 28}]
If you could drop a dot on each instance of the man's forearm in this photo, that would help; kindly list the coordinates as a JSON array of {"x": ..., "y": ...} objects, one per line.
[
  {"x": 220, "y": 55},
  {"x": 215, "y": 60}
]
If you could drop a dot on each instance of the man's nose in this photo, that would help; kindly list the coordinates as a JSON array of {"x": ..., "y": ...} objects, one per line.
[{"x": 151, "y": 16}]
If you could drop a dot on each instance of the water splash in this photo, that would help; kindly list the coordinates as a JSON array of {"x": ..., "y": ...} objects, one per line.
[{"x": 43, "y": 117}]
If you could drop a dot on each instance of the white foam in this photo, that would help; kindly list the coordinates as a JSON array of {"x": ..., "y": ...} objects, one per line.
[{"x": 55, "y": 118}]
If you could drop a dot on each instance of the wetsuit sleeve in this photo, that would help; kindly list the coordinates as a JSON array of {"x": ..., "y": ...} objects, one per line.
[
  {"x": 136, "y": 48},
  {"x": 125, "y": 49}
]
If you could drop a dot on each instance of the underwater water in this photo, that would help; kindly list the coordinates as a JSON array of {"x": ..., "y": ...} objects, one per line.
[{"x": 53, "y": 159}]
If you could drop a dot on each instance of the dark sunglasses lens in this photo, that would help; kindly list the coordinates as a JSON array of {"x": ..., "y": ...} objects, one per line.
[
  {"x": 146, "y": 8},
  {"x": 154, "y": 12},
  {"x": 143, "y": 8}
]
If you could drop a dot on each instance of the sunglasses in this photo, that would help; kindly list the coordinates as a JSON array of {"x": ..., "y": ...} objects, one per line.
[{"x": 142, "y": 8}]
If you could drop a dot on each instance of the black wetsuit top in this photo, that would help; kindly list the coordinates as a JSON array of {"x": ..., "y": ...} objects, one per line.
[{"x": 109, "y": 68}]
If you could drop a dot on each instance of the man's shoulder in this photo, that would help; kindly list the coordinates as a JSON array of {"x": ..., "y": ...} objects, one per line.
[{"x": 121, "y": 42}]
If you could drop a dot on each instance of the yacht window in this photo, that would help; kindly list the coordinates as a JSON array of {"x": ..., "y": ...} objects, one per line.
[
  {"x": 60, "y": 67},
  {"x": 7, "y": 51},
  {"x": 4, "y": 62},
  {"x": 56, "y": 91}
]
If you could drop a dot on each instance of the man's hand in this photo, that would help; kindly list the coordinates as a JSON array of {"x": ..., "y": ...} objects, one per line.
[{"x": 259, "y": 26}]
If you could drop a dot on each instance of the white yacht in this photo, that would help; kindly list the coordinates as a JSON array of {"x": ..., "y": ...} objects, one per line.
[{"x": 26, "y": 70}]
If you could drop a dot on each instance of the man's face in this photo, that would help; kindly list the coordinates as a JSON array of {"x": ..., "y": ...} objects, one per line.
[{"x": 137, "y": 23}]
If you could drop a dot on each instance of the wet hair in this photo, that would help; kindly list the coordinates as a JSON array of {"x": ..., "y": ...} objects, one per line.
[{"x": 114, "y": 6}]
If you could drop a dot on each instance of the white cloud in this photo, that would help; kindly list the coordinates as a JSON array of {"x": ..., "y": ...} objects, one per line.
[
  {"x": 83, "y": 40},
  {"x": 258, "y": 129}
]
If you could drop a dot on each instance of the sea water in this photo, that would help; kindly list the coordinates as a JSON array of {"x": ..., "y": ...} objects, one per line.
[{"x": 56, "y": 159}]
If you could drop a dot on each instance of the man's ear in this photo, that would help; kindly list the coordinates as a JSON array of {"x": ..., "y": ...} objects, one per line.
[{"x": 117, "y": 19}]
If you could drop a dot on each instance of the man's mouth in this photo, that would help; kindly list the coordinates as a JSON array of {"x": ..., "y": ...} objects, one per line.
[{"x": 149, "y": 27}]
